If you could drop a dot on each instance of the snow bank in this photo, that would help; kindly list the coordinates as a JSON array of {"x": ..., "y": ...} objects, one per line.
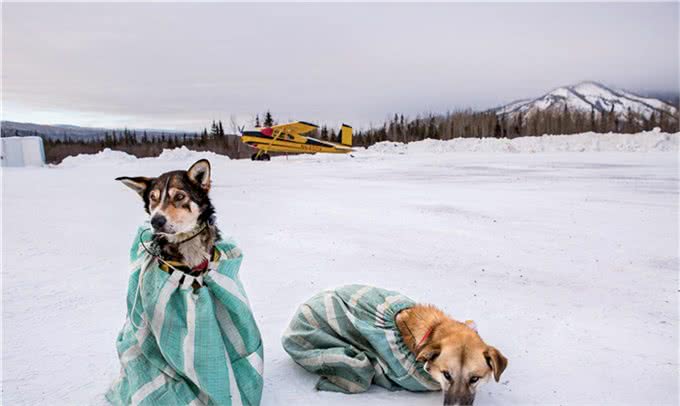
[
  {"x": 185, "y": 154},
  {"x": 108, "y": 156},
  {"x": 586, "y": 142}
]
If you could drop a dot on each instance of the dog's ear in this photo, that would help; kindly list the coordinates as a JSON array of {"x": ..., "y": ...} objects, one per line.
[
  {"x": 199, "y": 173},
  {"x": 139, "y": 184},
  {"x": 496, "y": 361}
]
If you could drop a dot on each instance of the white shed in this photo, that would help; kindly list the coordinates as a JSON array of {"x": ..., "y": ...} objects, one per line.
[{"x": 22, "y": 151}]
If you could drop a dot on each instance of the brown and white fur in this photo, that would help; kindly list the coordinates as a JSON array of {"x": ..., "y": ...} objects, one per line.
[
  {"x": 179, "y": 207},
  {"x": 453, "y": 352}
]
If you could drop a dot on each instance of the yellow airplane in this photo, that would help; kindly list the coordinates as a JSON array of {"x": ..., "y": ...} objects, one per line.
[{"x": 290, "y": 138}]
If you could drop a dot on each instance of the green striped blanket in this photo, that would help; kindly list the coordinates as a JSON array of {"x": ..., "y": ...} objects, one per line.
[
  {"x": 349, "y": 337},
  {"x": 183, "y": 346}
]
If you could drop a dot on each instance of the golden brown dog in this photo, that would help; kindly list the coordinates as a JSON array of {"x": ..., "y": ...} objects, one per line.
[{"x": 453, "y": 352}]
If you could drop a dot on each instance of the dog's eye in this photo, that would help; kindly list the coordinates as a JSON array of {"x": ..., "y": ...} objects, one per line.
[
  {"x": 447, "y": 375},
  {"x": 474, "y": 379},
  {"x": 179, "y": 196}
]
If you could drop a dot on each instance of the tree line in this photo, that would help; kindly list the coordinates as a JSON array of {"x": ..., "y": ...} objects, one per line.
[
  {"x": 465, "y": 123},
  {"x": 142, "y": 145},
  {"x": 468, "y": 123}
]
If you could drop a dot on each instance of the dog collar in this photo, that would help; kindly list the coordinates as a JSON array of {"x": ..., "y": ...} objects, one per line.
[
  {"x": 200, "y": 267},
  {"x": 425, "y": 337},
  {"x": 170, "y": 266}
]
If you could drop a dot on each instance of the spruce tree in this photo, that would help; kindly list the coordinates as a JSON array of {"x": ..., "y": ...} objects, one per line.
[
  {"x": 592, "y": 119},
  {"x": 520, "y": 124},
  {"x": 497, "y": 129},
  {"x": 214, "y": 130},
  {"x": 268, "y": 120}
]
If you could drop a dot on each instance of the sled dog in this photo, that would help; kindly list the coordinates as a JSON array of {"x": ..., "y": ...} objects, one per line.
[
  {"x": 190, "y": 337},
  {"x": 453, "y": 353},
  {"x": 356, "y": 336},
  {"x": 180, "y": 212}
]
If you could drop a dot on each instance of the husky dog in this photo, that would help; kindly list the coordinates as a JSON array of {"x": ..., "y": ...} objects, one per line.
[
  {"x": 185, "y": 283},
  {"x": 181, "y": 214}
]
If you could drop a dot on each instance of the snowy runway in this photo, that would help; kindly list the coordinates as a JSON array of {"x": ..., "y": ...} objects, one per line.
[{"x": 567, "y": 262}]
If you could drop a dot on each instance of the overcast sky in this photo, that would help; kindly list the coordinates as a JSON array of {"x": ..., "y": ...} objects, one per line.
[{"x": 182, "y": 65}]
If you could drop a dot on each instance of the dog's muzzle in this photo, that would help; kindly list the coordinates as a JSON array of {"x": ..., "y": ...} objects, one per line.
[{"x": 462, "y": 399}]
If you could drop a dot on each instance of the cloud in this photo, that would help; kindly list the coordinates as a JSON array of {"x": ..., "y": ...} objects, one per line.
[{"x": 175, "y": 65}]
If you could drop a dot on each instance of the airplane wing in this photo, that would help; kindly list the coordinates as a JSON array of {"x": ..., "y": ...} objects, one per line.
[{"x": 298, "y": 127}]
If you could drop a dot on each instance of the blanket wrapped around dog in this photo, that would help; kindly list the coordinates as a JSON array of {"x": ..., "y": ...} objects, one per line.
[
  {"x": 184, "y": 344},
  {"x": 349, "y": 337}
]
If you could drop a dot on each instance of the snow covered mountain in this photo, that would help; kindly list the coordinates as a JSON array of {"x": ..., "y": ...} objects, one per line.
[{"x": 587, "y": 96}]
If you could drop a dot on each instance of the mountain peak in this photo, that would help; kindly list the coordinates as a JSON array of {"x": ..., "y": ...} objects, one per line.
[{"x": 588, "y": 96}]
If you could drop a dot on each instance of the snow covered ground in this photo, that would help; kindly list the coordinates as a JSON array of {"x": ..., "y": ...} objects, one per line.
[{"x": 567, "y": 261}]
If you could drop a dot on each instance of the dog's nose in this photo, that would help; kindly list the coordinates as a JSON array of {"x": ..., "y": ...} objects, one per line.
[{"x": 158, "y": 221}]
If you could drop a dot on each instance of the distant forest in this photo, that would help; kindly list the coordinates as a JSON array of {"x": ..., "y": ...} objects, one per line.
[
  {"x": 143, "y": 146},
  {"x": 398, "y": 129},
  {"x": 489, "y": 124}
]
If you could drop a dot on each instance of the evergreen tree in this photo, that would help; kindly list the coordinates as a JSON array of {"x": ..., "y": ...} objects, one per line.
[
  {"x": 268, "y": 119},
  {"x": 214, "y": 130},
  {"x": 519, "y": 124},
  {"x": 497, "y": 132},
  {"x": 592, "y": 119},
  {"x": 566, "y": 121},
  {"x": 432, "y": 130}
]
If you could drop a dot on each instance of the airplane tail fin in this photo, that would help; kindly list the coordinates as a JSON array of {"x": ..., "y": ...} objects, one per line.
[{"x": 346, "y": 135}]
